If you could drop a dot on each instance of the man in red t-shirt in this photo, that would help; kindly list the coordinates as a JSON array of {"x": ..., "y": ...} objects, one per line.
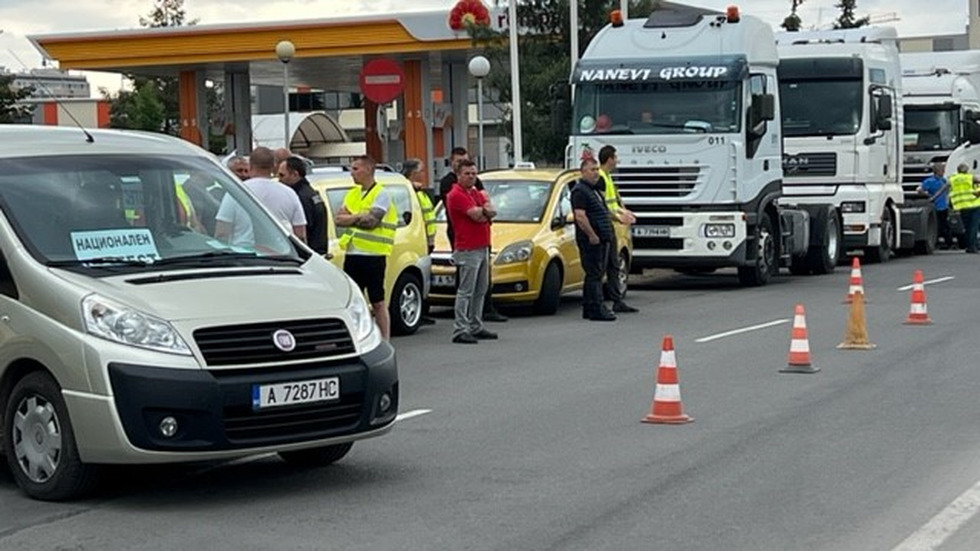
[{"x": 470, "y": 212}]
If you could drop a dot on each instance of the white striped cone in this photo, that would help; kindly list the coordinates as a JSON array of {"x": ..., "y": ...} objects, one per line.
[
  {"x": 856, "y": 282},
  {"x": 667, "y": 407},
  {"x": 799, "y": 346}
]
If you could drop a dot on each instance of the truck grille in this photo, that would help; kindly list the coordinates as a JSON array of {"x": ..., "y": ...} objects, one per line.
[
  {"x": 242, "y": 424},
  {"x": 253, "y": 343},
  {"x": 810, "y": 164},
  {"x": 912, "y": 176},
  {"x": 656, "y": 181}
]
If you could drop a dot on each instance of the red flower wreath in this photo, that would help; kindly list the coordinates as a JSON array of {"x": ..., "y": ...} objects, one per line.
[{"x": 468, "y": 12}]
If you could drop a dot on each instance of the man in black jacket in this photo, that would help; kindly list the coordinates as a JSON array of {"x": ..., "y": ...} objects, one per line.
[
  {"x": 458, "y": 154},
  {"x": 292, "y": 172}
]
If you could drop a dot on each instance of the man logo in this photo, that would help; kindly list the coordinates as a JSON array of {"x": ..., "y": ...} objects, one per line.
[{"x": 284, "y": 340}]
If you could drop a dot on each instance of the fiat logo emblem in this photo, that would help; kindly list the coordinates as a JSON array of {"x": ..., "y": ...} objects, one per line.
[{"x": 284, "y": 340}]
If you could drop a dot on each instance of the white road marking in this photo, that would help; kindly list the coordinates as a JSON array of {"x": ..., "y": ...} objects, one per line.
[
  {"x": 930, "y": 282},
  {"x": 945, "y": 524},
  {"x": 410, "y": 414},
  {"x": 742, "y": 330}
]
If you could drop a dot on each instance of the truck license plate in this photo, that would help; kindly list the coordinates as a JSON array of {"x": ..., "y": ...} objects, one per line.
[
  {"x": 298, "y": 392},
  {"x": 651, "y": 231}
]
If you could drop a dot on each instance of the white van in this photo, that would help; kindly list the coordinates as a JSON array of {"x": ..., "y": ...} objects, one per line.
[{"x": 128, "y": 334}]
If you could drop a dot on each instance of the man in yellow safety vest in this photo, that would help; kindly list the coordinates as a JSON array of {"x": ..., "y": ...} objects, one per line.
[
  {"x": 369, "y": 219},
  {"x": 616, "y": 274},
  {"x": 964, "y": 194}
]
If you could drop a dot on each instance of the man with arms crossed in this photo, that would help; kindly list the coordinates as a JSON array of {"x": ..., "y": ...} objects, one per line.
[
  {"x": 470, "y": 212},
  {"x": 369, "y": 220}
]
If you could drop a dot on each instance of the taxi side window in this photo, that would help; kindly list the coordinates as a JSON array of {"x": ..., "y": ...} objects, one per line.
[
  {"x": 403, "y": 204},
  {"x": 564, "y": 204}
]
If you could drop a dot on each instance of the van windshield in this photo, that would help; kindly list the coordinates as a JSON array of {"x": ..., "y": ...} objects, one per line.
[{"x": 133, "y": 212}]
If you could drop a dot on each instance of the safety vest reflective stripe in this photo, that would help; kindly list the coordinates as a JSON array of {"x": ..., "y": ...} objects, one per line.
[
  {"x": 961, "y": 192},
  {"x": 378, "y": 240},
  {"x": 428, "y": 213},
  {"x": 610, "y": 192}
]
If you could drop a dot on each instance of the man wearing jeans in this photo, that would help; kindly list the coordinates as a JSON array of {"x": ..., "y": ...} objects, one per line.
[{"x": 470, "y": 212}]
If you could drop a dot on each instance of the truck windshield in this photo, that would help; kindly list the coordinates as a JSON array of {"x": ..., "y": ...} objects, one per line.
[
  {"x": 129, "y": 212},
  {"x": 657, "y": 107},
  {"x": 931, "y": 128},
  {"x": 820, "y": 107}
]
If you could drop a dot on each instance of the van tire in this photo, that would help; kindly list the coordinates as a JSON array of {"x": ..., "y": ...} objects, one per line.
[
  {"x": 37, "y": 434},
  {"x": 316, "y": 457},
  {"x": 550, "y": 297},
  {"x": 405, "y": 305}
]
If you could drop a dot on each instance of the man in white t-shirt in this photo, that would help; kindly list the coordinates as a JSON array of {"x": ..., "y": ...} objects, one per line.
[{"x": 233, "y": 224}]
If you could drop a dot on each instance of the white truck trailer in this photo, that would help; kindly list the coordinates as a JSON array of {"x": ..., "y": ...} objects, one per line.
[
  {"x": 689, "y": 98},
  {"x": 840, "y": 93}
]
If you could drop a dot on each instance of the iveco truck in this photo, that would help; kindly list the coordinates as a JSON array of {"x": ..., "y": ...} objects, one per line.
[
  {"x": 941, "y": 93},
  {"x": 840, "y": 93},
  {"x": 689, "y": 99}
]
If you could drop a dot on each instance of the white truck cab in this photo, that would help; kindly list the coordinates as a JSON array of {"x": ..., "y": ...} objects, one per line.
[{"x": 130, "y": 334}]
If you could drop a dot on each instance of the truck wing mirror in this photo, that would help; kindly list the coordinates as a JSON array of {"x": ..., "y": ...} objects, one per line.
[
  {"x": 971, "y": 131},
  {"x": 763, "y": 107}
]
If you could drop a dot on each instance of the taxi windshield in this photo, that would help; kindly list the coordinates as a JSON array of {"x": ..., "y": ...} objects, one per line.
[
  {"x": 132, "y": 211},
  {"x": 516, "y": 201}
]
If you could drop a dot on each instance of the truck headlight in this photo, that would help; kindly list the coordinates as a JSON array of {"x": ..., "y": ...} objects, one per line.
[
  {"x": 363, "y": 325},
  {"x": 114, "y": 322},
  {"x": 719, "y": 230},
  {"x": 852, "y": 206},
  {"x": 515, "y": 252}
]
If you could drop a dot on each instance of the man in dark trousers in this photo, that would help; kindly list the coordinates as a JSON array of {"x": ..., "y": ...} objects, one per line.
[
  {"x": 593, "y": 235},
  {"x": 292, "y": 172},
  {"x": 445, "y": 186}
]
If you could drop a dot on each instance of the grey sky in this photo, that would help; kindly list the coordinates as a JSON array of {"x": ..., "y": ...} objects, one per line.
[{"x": 20, "y": 18}]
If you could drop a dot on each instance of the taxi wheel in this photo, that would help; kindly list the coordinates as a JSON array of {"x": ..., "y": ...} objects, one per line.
[
  {"x": 405, "y": 305},
  {"x": 40, "y": 444},
  {"x": 550, "y": 297},
  {"x": 317, "y": 457}
]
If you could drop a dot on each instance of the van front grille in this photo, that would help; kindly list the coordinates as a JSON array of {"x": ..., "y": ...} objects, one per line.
[{"x": 254, "y": 343}]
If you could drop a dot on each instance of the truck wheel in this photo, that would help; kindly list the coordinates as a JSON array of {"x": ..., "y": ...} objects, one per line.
[
  {"x": 823, "y": 259},
  {"x": 928, "y": 244},
  {"x": 550, "y": 296},
  {"x": 765, "y": 262},
  {"x": 40, "y": 444},
  {"x": 405, "y": 305},
  {"x": 317, "y": 457},
  {"x": 883, "y": 252}
]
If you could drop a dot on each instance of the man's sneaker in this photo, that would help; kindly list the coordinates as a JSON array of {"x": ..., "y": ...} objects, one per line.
[
  {"x": 623, "y": 308},
  {"x": 465, "y": 338},
  {"x": 485, "y": 335},
  {"x": 494, "y": 315}
]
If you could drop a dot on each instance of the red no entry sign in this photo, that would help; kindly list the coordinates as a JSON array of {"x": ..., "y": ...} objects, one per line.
[{"x": 382, "y": 80}]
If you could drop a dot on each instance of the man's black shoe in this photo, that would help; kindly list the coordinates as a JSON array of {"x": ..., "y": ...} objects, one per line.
[
  {"x": 426, "y": 320},
  {"x": 484, "y": 335},
  {"x": 465, "y": 338},
  {"x": 623, "y": 308},
  {"x": 603, "y": 316},
  {"x": 493, "y": 315}
]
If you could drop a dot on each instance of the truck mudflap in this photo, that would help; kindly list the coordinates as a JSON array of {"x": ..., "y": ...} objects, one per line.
[{"x": 920, "y": 227}]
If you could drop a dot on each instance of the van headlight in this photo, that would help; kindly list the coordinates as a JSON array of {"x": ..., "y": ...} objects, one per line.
[
  {"x": 114, "y": 322},
  {"x": 360, "y": 314},
  {"x": 515, "y": 252}
]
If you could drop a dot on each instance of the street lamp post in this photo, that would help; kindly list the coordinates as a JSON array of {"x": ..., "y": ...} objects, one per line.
[
  {"x": 479, "y": 68},
  {"x": 285, "y": 50}
]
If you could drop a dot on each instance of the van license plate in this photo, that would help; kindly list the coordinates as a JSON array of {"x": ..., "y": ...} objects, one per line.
[
  {"x": 651, "y": 231},
  {"x": 440, "y": 280},
  {"x": 299, "y": 392}
]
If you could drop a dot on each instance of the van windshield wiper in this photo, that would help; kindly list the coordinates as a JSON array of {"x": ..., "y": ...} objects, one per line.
[
  {"x": 221, "y": 256},
  {"x": 101, "y": 261}
]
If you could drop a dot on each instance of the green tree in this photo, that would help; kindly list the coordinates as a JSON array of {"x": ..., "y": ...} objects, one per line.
[
  {"x": 793, "y": 21},
  {"x": 847, "y": 19},
  {"x": 544, "y": 47},
  {"x": 140, "y": 109},
  {"x": 11, "y": 111}
]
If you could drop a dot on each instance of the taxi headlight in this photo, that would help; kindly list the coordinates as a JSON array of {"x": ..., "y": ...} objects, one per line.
[
  {"x": 515, "y": 252},
  {"x": 112, "y": 321},
  {"x": 362, "y": 323}
]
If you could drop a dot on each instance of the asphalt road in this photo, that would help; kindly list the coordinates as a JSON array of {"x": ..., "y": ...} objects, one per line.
[{"x": 535, "y": 442}]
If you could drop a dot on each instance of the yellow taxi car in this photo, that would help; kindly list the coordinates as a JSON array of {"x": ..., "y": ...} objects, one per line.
[
  {"x": 534, "y": 258},
  {"x": 407, "y": 274}
]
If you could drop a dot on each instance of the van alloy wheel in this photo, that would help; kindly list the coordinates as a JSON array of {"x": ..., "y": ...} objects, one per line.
[{"x": 37, "y": 438}]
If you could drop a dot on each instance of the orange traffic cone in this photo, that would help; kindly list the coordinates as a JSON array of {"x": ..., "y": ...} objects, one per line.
[
  {"x": 799, "y": 346},
  {"x": 917, "y": 313},
  {"x": 856, "y": 335},
  {"x": 667, "y": 408},
  {"x": 857, "y": 282}
]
